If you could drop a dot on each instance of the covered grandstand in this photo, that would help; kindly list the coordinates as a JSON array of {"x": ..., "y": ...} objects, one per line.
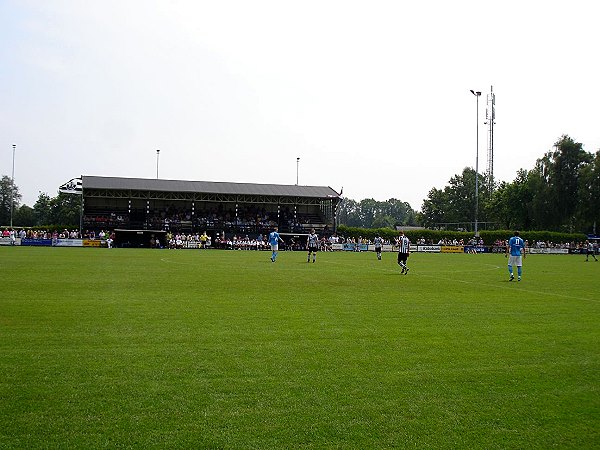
[{"x": 196, "y": 206}]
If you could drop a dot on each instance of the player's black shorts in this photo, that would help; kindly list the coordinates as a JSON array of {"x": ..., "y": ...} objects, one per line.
[
  {"x": 402, "y": 257},
  {"x": 378, "y": 249},
  {"x": 312, "y": 249}
]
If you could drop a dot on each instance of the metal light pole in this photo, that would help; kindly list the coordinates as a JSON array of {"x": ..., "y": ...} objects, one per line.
[
  {"x": 297, "y": 166},
  {"x": 157, "y": 154},
  {"x": 12, "y": 187},
  {"x": 477, "y": 94}
]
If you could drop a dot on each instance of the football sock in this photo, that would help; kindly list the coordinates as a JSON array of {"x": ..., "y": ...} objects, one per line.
[{"x": 519, "y": 270}]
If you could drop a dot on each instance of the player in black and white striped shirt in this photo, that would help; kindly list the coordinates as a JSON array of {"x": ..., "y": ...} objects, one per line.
[
  {"x": 312, "y": 243},
  {"x": 403, "y": 252},
  {"x": 378, "y": 244}
]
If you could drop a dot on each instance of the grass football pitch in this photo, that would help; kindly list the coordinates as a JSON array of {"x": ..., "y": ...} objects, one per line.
[{"x": 133, "y": 348}]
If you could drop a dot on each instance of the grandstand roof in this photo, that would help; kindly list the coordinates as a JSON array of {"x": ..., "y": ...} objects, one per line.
[{"x": 212, "y": 187}]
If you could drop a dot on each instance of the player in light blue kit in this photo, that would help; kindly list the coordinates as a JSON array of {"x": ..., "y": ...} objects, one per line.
[
  {"x": 516, "y": 252},
  {"x": 274, "y": 240}
]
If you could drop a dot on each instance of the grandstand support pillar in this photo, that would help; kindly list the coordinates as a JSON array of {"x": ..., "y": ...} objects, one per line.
[{"x": 81, "y": 218}]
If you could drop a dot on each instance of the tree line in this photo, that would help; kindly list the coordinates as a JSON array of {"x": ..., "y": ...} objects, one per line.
[
  {"x": 561, "y": 193},
  {"x": 64, "y": 209}
]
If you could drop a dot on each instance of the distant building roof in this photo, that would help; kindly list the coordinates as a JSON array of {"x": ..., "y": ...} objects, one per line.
[{"x": 209, "y": 187}]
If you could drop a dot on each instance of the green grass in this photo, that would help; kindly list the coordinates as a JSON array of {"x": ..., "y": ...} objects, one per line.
[{"x": 133, "y": 348}]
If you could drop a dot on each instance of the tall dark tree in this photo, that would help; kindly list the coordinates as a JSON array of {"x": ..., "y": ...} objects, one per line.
[
  {"x": 25, "y": 217},
  {"x": 66, "y": 209},
  {"x": 433, "y": 211},
  {"x": 6, "y": 189},
  {"x": 564, "y": 168},
  {"x": 43, "y": 209},
  {"x": 510, "y": 204},
  {"x": 370, "y": 213},
  {"x": 348, "y": 213},
  {"x": 455, "y": 205},
  {"x": 589, "y": 195}
]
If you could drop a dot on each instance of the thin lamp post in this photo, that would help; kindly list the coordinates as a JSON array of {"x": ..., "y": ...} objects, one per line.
[
  {"x": 157, "y": 154},
  {"x": 477, "y": 94},
  {"x": 12, "y": 187},
  {"x": 297, "y": 167}
]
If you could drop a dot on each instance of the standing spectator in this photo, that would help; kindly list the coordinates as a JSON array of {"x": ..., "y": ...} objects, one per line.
[
  {"x": 312, "y": 243},
  {"x": 589, "y": 246},
  {"x": 516, "y": 248},
  {"x": 274, "y": 240},
  {"x": 378, "y": 245},
  {"x": 403, "y": 252}
]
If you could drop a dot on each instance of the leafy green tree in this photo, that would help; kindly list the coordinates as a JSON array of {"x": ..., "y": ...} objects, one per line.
[
  {"x": 6, "y": 188},
  {"x": 589, "y": 195},
  {"x": 510, "y": 204},
  {"x": 66, "y": 209},
  {"x": 434, "y": 208},
  {"x": 348, "y": 213},
  {"x": 384, "y": 222},
  {"x": 456, "y": 203},
  {"x": 43, "y": 210},
  {"x": 568, "y": 160},
  {"x": 370, "y": 213},
  {"x": 25, "y": 217},
  {"x": 556, "y": 183}
]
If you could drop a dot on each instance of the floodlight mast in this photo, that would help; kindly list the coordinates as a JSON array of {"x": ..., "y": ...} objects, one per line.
[
  {"x": 490, "y": 116},
  {"x": 12, "y": 187},
  {"x": 477, "y": 94}
]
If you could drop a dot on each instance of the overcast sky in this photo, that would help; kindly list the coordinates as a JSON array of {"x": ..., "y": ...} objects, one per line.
[{"x": 371, "y": 96}]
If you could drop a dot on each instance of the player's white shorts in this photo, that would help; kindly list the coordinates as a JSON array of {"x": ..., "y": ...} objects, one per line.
[
  {"x": 515, "y": 261},
  {"x": 274, "y": 247}
]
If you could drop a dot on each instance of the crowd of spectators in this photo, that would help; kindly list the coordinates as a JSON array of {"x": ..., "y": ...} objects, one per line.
[
  {"x": 108, "y": 220},
  {"x": 176, "y": 239},
  {"x": 41, "y": 234},
  {"x": 247, "y": 219}
]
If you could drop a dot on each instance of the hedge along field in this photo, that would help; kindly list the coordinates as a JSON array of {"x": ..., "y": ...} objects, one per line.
[{"x": 224, "y": 349}]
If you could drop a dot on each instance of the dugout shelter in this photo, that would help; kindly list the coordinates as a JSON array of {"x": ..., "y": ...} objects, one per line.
[{"x": 111, "y": 203}]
